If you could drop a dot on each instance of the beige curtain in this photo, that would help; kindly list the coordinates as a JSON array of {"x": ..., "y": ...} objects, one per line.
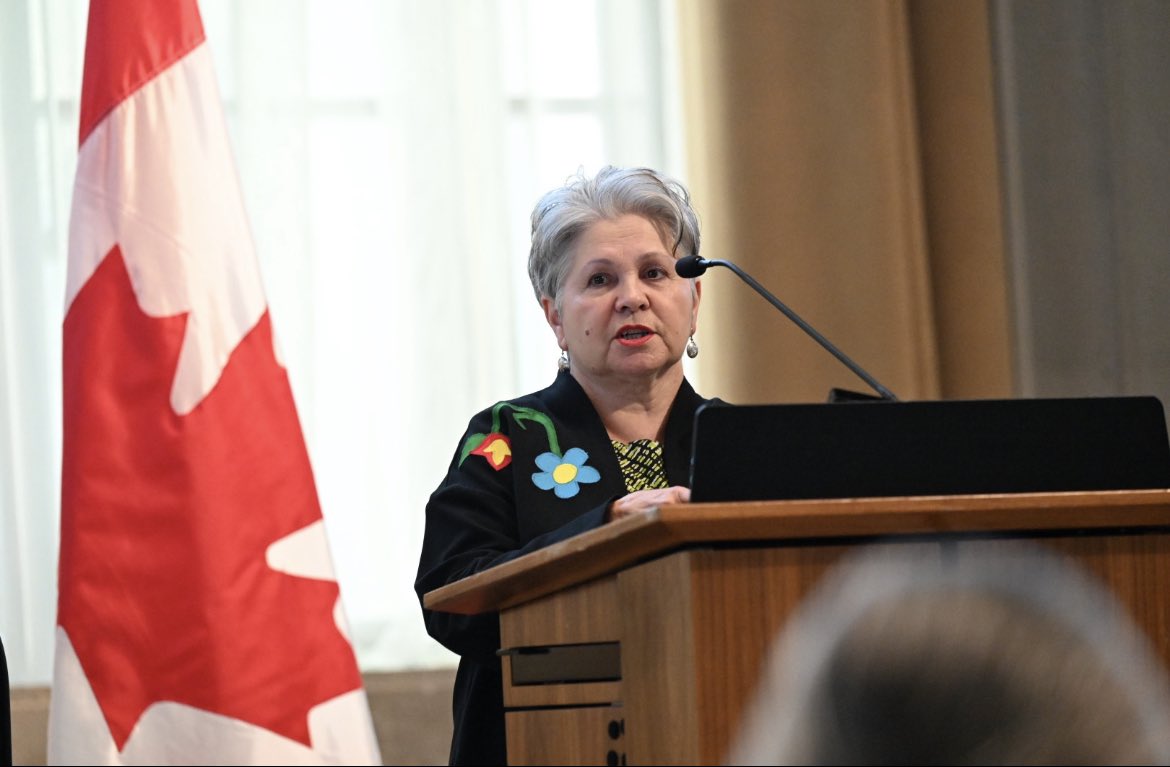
[{"x": 844, "y": 154}]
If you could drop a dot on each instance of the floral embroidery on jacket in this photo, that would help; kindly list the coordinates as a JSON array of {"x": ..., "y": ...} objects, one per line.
[
  {"x": 496, "y": 448},
  {"x": 563, "y": 474}
]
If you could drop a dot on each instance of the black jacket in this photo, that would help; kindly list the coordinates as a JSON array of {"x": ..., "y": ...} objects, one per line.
[{"x": 490, "y": 509}]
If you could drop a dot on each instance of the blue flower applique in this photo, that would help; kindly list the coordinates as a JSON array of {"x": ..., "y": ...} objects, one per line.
[{"x": 564, "y": 474}]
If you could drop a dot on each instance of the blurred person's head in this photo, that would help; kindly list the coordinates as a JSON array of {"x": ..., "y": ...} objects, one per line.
[{"x": 989, "y": 656}]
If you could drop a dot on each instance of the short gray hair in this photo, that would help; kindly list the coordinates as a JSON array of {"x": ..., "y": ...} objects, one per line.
[{"x": 564, "y": 213}]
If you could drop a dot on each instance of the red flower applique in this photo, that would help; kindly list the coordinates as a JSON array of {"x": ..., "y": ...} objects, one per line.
[{"x": 496, "y": 448}]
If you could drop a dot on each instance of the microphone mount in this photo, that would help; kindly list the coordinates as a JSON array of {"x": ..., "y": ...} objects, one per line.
[{"x": 694, "y": 265}]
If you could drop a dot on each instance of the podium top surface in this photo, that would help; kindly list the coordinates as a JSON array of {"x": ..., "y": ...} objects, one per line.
[{"x": 630, "y": 540}]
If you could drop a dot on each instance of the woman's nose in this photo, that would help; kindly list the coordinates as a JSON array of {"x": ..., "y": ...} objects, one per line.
[{"x": 631, "y": 297}]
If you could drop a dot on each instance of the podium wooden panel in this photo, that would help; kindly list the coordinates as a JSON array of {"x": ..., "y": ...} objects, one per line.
[{"x": 664, "y": 620}]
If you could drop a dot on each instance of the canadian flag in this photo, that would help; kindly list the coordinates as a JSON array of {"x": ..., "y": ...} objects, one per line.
[{"x": 199, "y": 620}]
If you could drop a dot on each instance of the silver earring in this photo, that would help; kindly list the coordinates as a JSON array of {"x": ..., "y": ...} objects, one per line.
[
  {"x": 563, "y": 362},
  {"x": 692, "y": 348}
]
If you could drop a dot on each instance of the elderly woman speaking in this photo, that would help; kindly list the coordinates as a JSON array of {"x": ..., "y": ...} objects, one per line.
[{"x": 610, "y": 437}]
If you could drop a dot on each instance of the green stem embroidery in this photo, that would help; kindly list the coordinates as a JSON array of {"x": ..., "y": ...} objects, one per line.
[{"x": 522, "y": 414}]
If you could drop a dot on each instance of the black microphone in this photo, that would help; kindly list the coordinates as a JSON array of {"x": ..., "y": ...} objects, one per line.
[{"x": 693, "y": 266}]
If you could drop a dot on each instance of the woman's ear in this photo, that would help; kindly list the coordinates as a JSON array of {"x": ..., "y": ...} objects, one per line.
[
  {"x": 553, "y": 317},
  {"x": 697, "y": 293}
]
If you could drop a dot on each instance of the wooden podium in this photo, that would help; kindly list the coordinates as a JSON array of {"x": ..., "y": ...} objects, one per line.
[{"x": 641, "y": 642}]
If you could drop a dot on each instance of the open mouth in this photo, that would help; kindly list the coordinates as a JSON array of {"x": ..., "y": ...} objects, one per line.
[{"x": 634, "y": 335}]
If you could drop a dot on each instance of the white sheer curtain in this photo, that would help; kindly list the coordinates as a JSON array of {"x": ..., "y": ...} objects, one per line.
[{"x": 389, "y": 152}]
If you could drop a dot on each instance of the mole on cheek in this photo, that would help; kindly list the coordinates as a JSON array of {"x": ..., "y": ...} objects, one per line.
[{"x": 587, "y": 332}]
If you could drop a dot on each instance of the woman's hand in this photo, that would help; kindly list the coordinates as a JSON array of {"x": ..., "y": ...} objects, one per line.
[{"x": 644, "y": 500}]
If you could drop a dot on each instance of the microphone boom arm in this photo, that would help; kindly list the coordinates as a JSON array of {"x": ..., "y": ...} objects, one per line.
[{"x": 816, "y": 336}]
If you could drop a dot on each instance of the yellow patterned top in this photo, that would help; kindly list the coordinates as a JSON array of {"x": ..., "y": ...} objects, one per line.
[{"x": 641, "y": 462}]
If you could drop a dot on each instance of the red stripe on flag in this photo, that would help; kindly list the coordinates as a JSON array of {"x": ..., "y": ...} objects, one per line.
[{"x": 128, "y": 42}]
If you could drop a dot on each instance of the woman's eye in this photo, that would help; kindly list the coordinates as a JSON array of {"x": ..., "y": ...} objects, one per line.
[
  {"x": 655, "y": 272},
  {"x": 598, "y": 279}
]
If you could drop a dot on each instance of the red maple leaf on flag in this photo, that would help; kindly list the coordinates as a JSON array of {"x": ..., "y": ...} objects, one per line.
[{"x": 165, "y": 591}]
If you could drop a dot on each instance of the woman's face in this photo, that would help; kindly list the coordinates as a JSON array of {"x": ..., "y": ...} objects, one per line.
[{"x": 624, "y": 313}]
